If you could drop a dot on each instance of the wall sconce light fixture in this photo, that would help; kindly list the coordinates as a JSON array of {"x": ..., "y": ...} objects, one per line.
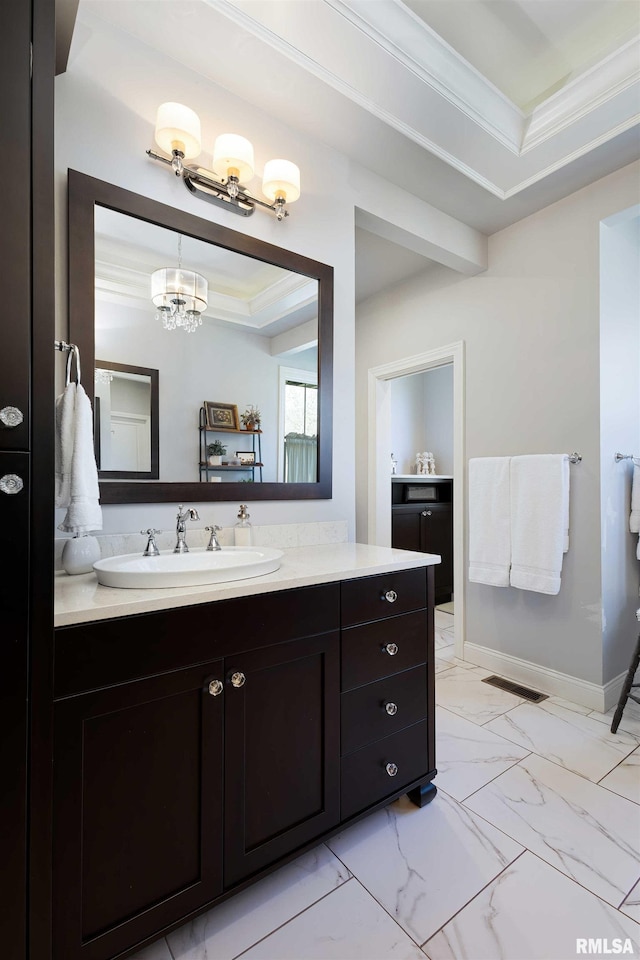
[{"x": 178, "y": 135}]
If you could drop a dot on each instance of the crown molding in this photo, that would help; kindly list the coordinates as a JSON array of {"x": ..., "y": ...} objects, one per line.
[
  {"x": 592, "y": 109},
  {"x": 411, "y": 42},
  {"x": 234, "y": 12},
  {"x": 600, "y": 84},
  {"x": 571, "y": 157}
]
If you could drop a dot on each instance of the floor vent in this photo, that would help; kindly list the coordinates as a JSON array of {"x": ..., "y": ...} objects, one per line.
[{"x": 515, "y": 688}]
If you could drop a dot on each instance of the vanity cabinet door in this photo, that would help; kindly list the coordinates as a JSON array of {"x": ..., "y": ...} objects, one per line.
[
  {"x": 282, "y": 751},
  {"x": 138, "y": 809},
  {"x": 436, "y": 536}
]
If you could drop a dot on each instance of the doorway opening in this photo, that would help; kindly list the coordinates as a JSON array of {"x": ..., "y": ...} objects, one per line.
[{"x": 380, "y": 448}]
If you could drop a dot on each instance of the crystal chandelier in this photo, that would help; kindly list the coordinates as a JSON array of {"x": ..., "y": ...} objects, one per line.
[{"x": 179, "y": 295}]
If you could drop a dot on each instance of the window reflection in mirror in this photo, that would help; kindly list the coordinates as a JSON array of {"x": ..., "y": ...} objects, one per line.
[{"x": 259, "y": 321}]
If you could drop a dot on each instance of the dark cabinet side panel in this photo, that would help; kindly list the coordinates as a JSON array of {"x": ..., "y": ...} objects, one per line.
[
  {"x": 14, "y": 585},
  {"x": 15, "y": 202},
  {"x": 15, "y": 358}
]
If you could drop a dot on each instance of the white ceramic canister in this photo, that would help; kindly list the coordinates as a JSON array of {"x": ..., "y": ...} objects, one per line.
[{"x": 79, "y": 554}]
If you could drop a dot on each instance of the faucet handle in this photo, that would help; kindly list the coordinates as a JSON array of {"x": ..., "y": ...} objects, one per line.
[
  {"x": 213, "y": 544},
  {"x": 152, "y": 547}
]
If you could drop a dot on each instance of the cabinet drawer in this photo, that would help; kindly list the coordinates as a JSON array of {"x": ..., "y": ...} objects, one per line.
[
  {"x": 383, "y": 708},
  {"x": 365, "y": 779},
  {"x": 365, "y": 655},
  {"x": 366, "y": 599}
]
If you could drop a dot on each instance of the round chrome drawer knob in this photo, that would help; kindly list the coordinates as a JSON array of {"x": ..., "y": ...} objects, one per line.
[
  {"x": 11, "y": 483},
  {"x": 391, "y": 769},
  {"x": 390, "y": 596},
  {"x": 426, "y": 513},
  {"x": 391, "y": 649},
  {"x": 216, "y": 687},
  {"x": 391, "y": 708},
  {"x": 238, "y": 679},
  {"x": 11, "y": 417}
]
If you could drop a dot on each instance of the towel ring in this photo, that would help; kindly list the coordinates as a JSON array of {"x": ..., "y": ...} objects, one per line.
[{"x": 73, "y": 353}]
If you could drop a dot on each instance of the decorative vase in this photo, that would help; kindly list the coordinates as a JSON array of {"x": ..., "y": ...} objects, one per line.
[{"x": 79, "y": 555}]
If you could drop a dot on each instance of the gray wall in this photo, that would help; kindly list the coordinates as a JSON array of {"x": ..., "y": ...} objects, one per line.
[
  {"x": 438, "y": 416},
  {"x": 407, "y": 421},
  {"x": 422, "y": 418},
  {"x": 531, "y": 329},
  {"x": 619, "y": 430}
]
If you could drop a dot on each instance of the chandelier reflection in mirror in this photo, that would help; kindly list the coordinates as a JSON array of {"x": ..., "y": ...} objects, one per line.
[
  {"x": 179, "y": 295},
  {"x": 178, "y": 135}
]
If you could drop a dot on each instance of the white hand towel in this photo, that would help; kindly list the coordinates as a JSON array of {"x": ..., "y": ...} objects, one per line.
[
  {"x": 634, "y": 518},
  {"x": 489, "y": 521},
  {"x": 539, "y": 511},
  {"x": 566, "y": 481},
  {"x": 77, "y": 485},
  {"x": 65, "y": 405}
]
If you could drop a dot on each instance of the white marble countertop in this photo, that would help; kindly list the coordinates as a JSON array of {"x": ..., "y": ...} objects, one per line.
[
  {"x": 82, "y": 599},
  {"x": 420, "y": 477}
]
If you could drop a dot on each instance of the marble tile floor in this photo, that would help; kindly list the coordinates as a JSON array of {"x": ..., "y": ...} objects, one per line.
[{"x": 532, "y": 843}]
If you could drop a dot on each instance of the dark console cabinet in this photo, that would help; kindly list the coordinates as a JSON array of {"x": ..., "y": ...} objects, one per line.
[
  {"x": 197, "y": 748},
  {"x": 426, "y": 526}
]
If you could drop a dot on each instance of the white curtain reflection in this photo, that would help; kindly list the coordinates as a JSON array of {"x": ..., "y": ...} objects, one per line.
[{"x": 300, "y": 458}]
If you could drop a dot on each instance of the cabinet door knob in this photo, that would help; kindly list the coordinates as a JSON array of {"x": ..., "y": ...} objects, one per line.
[
  {"x": 391, "y": 649},
  {"x": 11, "y": 417},
  {"x": 426, "y": 513},
  {"x": 238, "y": 679},
  {"x": 216, "y": 687},
  {"x": 391, "y": 769},
  {"x": 390, "y": 596},
  {"x": 11, "y": 483},
  {"x": 391, "y": 708}
]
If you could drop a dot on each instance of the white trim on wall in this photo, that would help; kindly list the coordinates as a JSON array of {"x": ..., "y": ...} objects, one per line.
[
  {"x": 544, "y": 679},
  {"x": 378, "y": 458}
]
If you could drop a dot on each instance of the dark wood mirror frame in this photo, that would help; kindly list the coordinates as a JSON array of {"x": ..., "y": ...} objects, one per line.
[
  {"x": 84, "y": 193},
  {"x": 154, "y": 425}
]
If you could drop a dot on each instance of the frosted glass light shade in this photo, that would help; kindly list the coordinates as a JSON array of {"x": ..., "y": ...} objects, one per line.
[
  {"x": 233, "y": 156},
  {"x": 170, "y": 283},
  {"x": 281, "y": 180},
  {"x": 178, "y": 128}
]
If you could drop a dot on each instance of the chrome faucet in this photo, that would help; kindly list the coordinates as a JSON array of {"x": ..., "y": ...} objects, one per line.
[
  {"x": 214, "y": 544},
  {"x": 181, "y": 527}
]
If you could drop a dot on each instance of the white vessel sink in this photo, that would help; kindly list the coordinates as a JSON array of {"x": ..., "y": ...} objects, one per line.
[{"x": 192, "y": 569}]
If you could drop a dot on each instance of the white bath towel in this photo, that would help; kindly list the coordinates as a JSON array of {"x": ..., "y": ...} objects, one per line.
[
  {"x": 489, "y": 523},
  {"x": 634, "y": 517},
  {"x": 76, "y": 472},
  {"x": 566, "y": 481},
  {"x": 539, "y": 511}
]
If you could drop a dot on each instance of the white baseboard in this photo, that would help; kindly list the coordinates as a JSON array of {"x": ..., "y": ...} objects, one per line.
[{"x": 551, "y": 682}]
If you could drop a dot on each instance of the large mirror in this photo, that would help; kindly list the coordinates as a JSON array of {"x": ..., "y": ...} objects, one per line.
[{"x": 263, "y": 319}]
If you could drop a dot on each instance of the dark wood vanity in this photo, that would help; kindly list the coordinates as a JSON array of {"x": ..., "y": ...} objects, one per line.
[
  {"x": 422, "y": 520},
  {"x": 198, "y": 748}
]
